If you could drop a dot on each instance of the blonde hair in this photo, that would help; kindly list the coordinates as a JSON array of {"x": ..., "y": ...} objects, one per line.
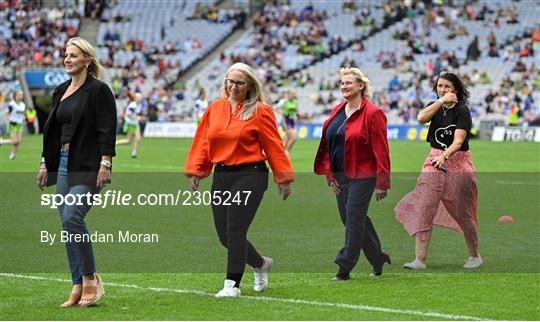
[
  {"x": 367, "y": 91},
  {"x": 291, "y": 92},
  {"x": 255, "y": 93},
  {"x": 95, "y": 69}
]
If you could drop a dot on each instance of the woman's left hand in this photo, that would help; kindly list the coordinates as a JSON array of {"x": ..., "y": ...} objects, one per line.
[
  {"x": 284, "y": 190},
  {"x": 438, "y": 162},
  {"x": 380, "y": 194},
  {"x": 103, "y": 177}
]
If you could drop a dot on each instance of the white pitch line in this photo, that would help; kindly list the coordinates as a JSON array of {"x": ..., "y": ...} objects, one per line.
[
  {"x": 518, "y": 183},
  {"x": 272, "y": 299}
]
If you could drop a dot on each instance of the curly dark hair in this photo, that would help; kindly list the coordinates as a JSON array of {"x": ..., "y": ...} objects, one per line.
[{"x": 462, "y": 92}]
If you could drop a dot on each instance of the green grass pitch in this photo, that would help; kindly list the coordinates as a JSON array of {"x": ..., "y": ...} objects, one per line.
[{"x": 177, "y": 277}]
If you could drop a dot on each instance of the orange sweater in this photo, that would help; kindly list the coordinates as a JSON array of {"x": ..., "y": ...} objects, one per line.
[{"x": 223, "y": 138}]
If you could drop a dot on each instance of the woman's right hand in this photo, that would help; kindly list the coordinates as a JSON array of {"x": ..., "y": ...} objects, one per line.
[
  {"x": 41, "y": 178},
  {"x": 450, "y": 98},
  {"x": 195, "y": 183}
]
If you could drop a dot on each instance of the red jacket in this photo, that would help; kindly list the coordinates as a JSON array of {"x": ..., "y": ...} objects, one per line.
[{"x": 366, "y": 146}]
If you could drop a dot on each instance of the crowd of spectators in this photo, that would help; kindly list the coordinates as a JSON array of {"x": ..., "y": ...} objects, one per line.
[
  {"x": 416, "y": 34},
  {"x": 210, "y": 12},
  {"x": 137, "y": 62},
  {"x": 406, "y": 98},
  {"x": 416, "y": 39},
  {"x": 279, "y": 27},
  {"x": 34, "y": 36},
  {"x": 514, "y": 91},
  {"x": 518, "y": 92}
]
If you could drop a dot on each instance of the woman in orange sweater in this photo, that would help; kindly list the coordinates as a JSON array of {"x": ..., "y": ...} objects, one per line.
[{"x": 237, "y": 133}]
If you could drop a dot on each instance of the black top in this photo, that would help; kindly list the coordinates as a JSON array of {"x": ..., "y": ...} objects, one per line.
[
  {"x": 335, "y": 138},
  {"x": 93, "y": 132},
  {"x": 64, "y": 115},
  {"x": 443, "y": 126}
]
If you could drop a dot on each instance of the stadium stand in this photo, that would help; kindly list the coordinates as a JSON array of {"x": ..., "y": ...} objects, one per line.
[
  {"x": 330, "y": 26},
  {"x": 395, "y": 51},
  {"x": 34, "y": 37},
  {"x": 426, "y": 42},
  {"x": 148, "y": 54},
  {"x": 400, "y": 45}
]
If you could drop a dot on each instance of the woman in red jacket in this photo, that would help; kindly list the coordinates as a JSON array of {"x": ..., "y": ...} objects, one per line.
[
  {"x": 237, "y": 134},
  {"x": 354, "y": 157}
]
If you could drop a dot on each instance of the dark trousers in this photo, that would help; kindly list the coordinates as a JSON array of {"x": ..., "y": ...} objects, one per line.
[
  {"x": 353, "y": 203},
  {"x": 232, "y": 220}
]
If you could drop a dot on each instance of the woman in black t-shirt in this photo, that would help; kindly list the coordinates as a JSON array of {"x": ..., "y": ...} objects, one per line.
[{"x": 446, "y": 192}]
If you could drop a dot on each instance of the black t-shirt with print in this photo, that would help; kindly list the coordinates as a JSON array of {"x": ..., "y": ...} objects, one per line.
[{"x": 442, "y": 126}]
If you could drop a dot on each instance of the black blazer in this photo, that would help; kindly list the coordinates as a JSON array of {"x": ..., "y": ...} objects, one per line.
[{"x": 93, "y": 129}]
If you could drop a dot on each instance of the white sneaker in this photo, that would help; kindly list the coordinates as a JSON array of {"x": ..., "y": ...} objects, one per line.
[
  {"x": 12, "y": 156},
  {"x": 473, "y": 262},
  {"x": 415, "y": 264},
  {"x": 260, "y": 275},
  {"x": 229, "y": 290}
]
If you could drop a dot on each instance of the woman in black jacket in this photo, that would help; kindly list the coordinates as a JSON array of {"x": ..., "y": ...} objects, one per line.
[{"x": 78, "y": 146}]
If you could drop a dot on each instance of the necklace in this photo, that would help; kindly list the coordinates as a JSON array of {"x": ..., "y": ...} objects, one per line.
[
  {"x": 446, "y": 109},
  {"x": 75, "y": 87},
  {"x": 347, "y": 117},
  {"x": 237, "y": 109}
]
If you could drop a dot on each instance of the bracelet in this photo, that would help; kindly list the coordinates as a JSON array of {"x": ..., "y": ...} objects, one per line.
[
  {"x": 446, "y": 157},
  {"x": 440, "y": 100},
  {"x": 42, "y": 163},
  {"x": 106, "y": 163}
]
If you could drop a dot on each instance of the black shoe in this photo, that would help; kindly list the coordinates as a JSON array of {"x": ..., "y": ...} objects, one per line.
[
  {"x": 377, "y": 268},
  {"x": 341, "y": 277}
]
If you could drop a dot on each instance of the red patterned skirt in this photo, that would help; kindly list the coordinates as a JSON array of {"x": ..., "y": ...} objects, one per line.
[{"x": 444, "y": 199}]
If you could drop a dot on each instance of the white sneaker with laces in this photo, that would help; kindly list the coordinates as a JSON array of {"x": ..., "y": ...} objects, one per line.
[
  {"x": 228, "y": 290},
  {"x": 473, "y": 262},
  {"x": 415, "y": 264},
  {"x": 260, "y": 275}
]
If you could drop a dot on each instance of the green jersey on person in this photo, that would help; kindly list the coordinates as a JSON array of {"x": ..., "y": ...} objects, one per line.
[{"x": 290, "y": 108}]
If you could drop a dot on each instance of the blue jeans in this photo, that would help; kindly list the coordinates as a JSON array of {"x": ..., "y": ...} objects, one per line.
[{"x": 80, "y": 254}]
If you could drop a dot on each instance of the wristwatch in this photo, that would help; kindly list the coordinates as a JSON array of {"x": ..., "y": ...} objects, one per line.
[{"x": 106, "y": 163}]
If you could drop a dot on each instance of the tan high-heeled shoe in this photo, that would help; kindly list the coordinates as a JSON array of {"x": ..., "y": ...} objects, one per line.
[
  {"x": 73, "y": 300},
  {"x": 95, "y": 288}
]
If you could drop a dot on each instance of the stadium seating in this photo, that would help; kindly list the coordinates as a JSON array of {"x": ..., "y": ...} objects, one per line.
[
  {"x": 34, "y": 36},
  {"x": 149, "y": 54}
]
